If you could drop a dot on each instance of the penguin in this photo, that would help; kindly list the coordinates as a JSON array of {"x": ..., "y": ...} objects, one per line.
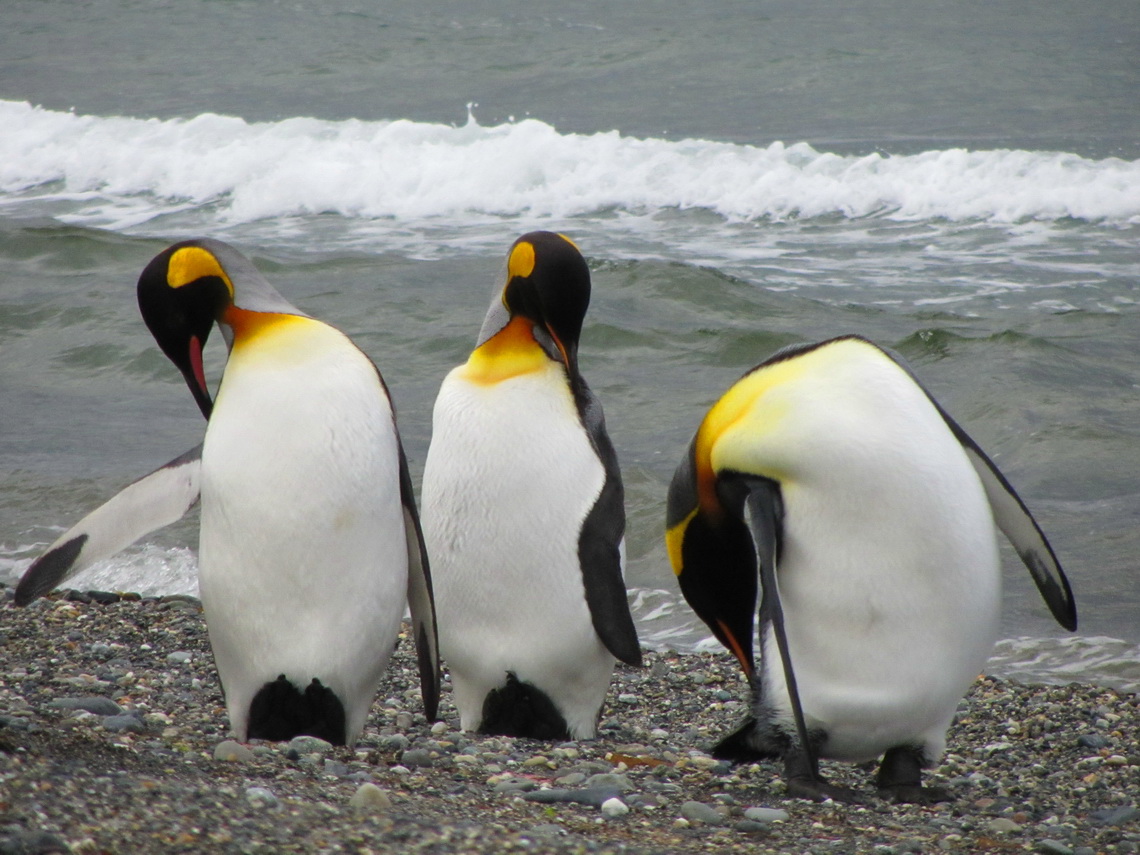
[
  {"x": 523, "y": 512},
  {"x": 310, "y": 543},
  {"x": 830, "y": 483}
]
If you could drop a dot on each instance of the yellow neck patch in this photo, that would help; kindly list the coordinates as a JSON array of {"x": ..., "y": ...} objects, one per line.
[
  {"x": 674, "y": 537},
  {"x": 508, "y": 353},
  {"x": 742, "y": 406},
  {"x": 192, "y": 263},
  {"x": 250, "y": 327}
]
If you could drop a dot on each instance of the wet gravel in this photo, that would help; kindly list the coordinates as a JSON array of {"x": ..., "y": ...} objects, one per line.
[{"x": 113, "y": 738}]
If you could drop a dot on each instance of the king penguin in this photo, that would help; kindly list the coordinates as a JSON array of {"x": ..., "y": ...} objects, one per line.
[
  {"x": 830, "y": 480},
  {"x": 523, "y": 512},
  {"x": 310, "y": 543}
]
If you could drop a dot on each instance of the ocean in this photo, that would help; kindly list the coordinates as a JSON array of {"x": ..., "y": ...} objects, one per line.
[{"x": 959, "y": 181}]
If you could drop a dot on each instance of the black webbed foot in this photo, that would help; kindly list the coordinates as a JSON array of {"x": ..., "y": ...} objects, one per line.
[
  {"x": 801, "y": 774},
  {"x": 900, "y": 778}
]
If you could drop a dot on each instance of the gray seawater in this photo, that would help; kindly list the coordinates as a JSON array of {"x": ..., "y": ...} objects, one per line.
[{"x": 928, "y": 195}]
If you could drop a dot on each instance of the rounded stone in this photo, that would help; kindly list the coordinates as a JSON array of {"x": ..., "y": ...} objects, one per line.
[
  {"x": 614, "y": 807},
  {"x": 230, "y": 751},
  {"x": 369, "y": 797}
]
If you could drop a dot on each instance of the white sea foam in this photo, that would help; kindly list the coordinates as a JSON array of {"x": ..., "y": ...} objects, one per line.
[{"x": 120, "y": 173}]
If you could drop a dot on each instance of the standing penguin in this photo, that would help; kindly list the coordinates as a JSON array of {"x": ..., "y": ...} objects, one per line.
[
  {"x": 310, "y": 542},
  {"x": 523, "y": 512},
  {"x": 830, "y": 479}
]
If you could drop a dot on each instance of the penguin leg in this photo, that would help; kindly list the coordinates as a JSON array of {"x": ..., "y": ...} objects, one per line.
[
  {"x": 900, "y": 778},
  {"x": 764, "y": 509}
]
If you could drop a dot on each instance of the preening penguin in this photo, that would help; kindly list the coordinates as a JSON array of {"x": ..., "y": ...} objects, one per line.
[
  {"x": 828, "y": 479},
  {"x": 310, "y": 542},
  {"x": 523, "y": 512}
]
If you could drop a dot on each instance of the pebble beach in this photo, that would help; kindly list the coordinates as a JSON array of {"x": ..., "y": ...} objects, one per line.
[{"x": 113, "y": 739}]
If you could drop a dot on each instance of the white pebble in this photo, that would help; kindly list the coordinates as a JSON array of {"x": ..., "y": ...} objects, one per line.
[{"x": 615, "y": 807}]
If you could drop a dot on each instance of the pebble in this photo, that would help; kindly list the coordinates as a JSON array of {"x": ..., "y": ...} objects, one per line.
[
  {"x": 370, "y": 798},
  {"x": 309, "y": 745},
  {"x": 96, "y": 704},
  {"x": 1114, "y": 816},
  {"x": 262, "y": 797},
  {"x": 702, "y": 813},
  {"x": 229, "y": 751},
  {"x": 764, "y": 814},
  {"x": 1053, "y": 847},
  {"x": 125, "y": 723},
  {"x": 1002, "y": 825},
  {"x": 417, "y": 757},
  {"x": 614, "y": 807}
]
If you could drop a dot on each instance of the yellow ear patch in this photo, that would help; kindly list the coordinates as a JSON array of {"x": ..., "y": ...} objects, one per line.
[
  {"x": 521, "y": 262},
  {"x": 192, "y": 263}
]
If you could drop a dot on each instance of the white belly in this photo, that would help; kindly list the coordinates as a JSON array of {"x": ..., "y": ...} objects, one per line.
[
  {"x": 509, "y": 479},
  {"x": 303, "y": 561}
]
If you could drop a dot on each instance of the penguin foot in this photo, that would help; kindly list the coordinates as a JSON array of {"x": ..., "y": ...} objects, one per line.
[
  {"x": 747, "y": 744},
  {"x": 900, "y": 778},
  {"x": 522, "y": 709},
  {"x": 819, "y": 790},
  {"x": 801, "y": 774},
  {"x": 279, "y": 711}
]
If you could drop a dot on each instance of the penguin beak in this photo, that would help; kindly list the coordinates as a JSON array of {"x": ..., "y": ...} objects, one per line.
[{"x": 195, "y": 376}]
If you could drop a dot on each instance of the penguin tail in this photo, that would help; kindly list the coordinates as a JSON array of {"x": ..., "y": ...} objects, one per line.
[
  {"x": 279, "y": 711},
  {"x": 522, "y": 709}
]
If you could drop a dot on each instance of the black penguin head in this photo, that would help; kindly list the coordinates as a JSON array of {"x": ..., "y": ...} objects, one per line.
[
  {"x": 182, "y": 292},
  {"x": 548, "y": 282}
]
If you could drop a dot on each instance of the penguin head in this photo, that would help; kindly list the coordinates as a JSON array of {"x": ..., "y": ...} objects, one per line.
[
  {"x": 548, "y": 288},
  {"x": 712, "y": 553},
  {"x": 189, "y": 287}
]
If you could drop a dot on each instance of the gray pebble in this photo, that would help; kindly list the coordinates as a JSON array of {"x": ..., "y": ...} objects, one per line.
[
  {"x": 33, "y": 843},
  {"x": 594, "y": 797},
  {"x": 1002, "y": 825},
  {"x": 1053, "y": 847},
  {"x": 180, "y": 656},
  {"x": 95, "y": 704},
  {"x": 763, "y": 814},
  {"x": 370, "y": 798},
  {"x": 230, "y": 751},
  {"x": 263, "y": 798},
  {"x": 1114, "y": 816},
  {"x": 747, "y": 826},
  {"x": 395, "y": 742},
  {"x": 609, "y": 780},
  {"x": 414, "y": 757},
  {"x": 518, "y": 785},
  {"x": 126, "y": 723},
  {"x": 1094, "y": 741},
  {"x": 309, "y": 745},
  {"x": 702, "y": 813}
]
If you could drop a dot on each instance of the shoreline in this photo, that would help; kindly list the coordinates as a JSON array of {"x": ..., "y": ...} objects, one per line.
[{"x": 1038, "y": 768}]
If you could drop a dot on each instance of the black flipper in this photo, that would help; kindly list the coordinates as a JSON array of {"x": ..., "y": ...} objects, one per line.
[
  {"x": 421, "y": 599},
  {"x": 600, "y": 542},
  {"x": 279, "y": 711},
  {"x": 153, "y": 501},
  {"x": 521, "y": 709}
]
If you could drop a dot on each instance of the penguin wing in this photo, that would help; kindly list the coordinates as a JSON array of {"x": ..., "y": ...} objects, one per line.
[
  {"x": 153, "y": 501},
  {"x": 1014, "y": 519},
  {"x": 421, "y": 599},
  {"x": 600, "y": 543}
]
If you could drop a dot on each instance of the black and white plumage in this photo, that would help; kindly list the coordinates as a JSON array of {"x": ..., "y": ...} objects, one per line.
[
  {"x": 523, "y": 512},
  {"x": 310, "y": 543},
  {"x": 830, "y": 482}
]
